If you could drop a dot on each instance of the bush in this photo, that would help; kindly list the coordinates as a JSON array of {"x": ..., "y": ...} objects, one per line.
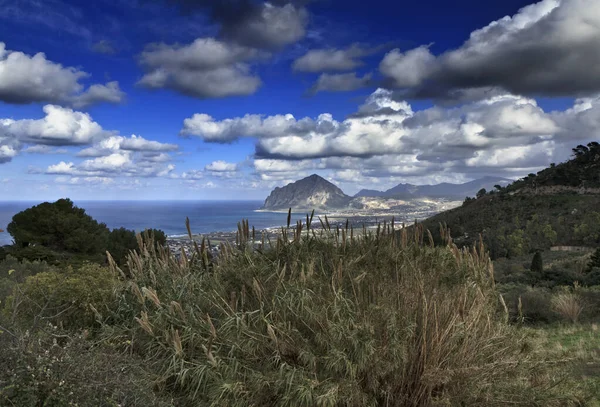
[
  {"x": 324, "y": 321},
  {"x": 529, "y": 304},
  {"x": 41, "y": 371},
  {"x": 568, "y": 305},
  {"x": 13, "y": 272},
  {"x": 69, "y": 298}
]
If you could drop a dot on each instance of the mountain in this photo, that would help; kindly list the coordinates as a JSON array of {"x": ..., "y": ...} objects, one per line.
[
  {"x": 444, "y": 190},
  {"x": 313, "y": 192},
  {"x": 557, "y": 206}
]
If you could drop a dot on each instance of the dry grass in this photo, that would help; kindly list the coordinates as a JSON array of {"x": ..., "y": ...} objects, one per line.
[
  {"x": 326, "y": 318},
  {"x": 568, "y": 305}
]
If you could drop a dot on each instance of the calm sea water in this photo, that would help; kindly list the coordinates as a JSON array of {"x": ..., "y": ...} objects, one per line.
[{"x": 169, "y": 216}]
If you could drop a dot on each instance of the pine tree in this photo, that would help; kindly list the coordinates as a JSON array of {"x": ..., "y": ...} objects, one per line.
[
  {"x": 594, "y": 260},
  {"x": 537, "y": 264}
]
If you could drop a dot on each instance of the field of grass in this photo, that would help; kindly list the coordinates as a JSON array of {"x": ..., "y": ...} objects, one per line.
[{"x": 578, "y": 348}]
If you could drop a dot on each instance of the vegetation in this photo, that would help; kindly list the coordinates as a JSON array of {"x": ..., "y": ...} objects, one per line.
[
  {"x": 60, "y": 233},
  {"x": 317, "y": 318},
  {"x": 537, "y": 264},
  {"x": 557, "y": 206}
]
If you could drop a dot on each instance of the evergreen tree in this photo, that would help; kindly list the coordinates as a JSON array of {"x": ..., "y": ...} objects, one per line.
[
  {"x": 594, "y": 260},
  {"x": 537, "y": 264},
  {"x": 60, "y": 226}
]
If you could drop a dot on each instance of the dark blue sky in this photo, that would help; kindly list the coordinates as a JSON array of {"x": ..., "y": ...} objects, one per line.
[{"x": 246, "y": 61}]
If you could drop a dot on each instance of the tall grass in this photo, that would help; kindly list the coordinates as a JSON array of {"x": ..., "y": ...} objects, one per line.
[
  {"x": 323, "y": 318},
  {"x": 568, "y": 305}
]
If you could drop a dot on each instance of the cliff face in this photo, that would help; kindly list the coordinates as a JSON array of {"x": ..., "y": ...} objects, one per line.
[{"x": 313, "y": 192}]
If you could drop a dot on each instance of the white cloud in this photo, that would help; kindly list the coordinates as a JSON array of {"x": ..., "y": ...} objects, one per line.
[
  {"x": 111, "y": 92},
  {"x": 119, "y": 164},
  {"x": 60, "y": 127},
  {"x": 207, "y": 128},
  {"x": 119, "y": 143},
  {"x": 408, "y": 69},
  {"x": 221, "y": 166},
  {"x": 30, "y": 79},
  {"x": 206, "y": 68},
  {"x": 502, "y": 134}
]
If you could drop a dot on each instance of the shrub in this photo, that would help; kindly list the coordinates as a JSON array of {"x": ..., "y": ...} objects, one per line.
[
  {"x": 13, "y": 272},
  {"x": 41, "y": 371},
  {"x": 531, "y": 305},
  {"x": 568, "y": 304},
  {"x": 69, "y": 298},
  {"x": 323, "y": 320}
]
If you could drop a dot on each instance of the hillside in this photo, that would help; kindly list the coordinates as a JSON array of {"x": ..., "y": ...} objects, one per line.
[
  {"x": 557, "y": 206},
  {"x": 443, "y": 190},
  {"x": 313, "y": 192}
]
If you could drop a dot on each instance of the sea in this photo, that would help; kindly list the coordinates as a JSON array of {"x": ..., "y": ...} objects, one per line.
[{"x": 168, "y": 216}]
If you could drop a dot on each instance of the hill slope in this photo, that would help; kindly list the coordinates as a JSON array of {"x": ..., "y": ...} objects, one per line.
[
  {"x": 558, "y": 206},
  {"x": 313, "y": 192}
]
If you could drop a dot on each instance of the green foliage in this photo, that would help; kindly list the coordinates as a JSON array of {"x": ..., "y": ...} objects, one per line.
[
  {"x": 13, "y": 272},
  {"x": 60, "y": 233},
  {"x": 594, "y": 260},
  {"x": 120, "y": 242},
  {"x": 71, "y": 371},
  {"x": 481, "y": 193},
  {"x": 514, "y": 225},
  {"x": 70, "y": 298},
  {"x": 158, "y": 236},
  {"x": 537, "y": 264},
  {"x": 59, "y": 226},
  {"x": 580, "y": 171}
]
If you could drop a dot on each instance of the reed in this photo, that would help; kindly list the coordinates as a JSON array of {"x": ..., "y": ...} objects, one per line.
[{"x": 328, "y": 318}]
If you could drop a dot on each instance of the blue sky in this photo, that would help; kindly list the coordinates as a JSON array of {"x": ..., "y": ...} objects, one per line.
[{"x": 228, "y": 99}]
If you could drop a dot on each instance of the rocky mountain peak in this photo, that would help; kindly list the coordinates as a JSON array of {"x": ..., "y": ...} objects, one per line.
[{"x": 312, "y": 192}]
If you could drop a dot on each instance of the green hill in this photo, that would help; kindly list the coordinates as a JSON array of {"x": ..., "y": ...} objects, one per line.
[{"x": 557, "y": 206}]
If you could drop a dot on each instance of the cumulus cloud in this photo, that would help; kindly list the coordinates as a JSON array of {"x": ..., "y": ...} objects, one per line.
[
  {"x": 119, "y": 143},
  {"x": 111, "y": 93},
  {"x": 60, "y": 127},
  {"x": 206, "y": 68},
  {"x": 502, "y": 134},
  {"x": 332, "y": 59},
  {"x": 259, "y": 25},
  {"x": 340, "y": 82},
  {"x": 65, "y": 127},
  {"x": 228, "y": 130},
  {"x": 548, "y": 48},
  {"x": 30, "y": 79},
  {"x": 221, "y": 166},
  {"x": 270, "y": 27},
  {"x": 120, "y": 164},
  {"x": 407, "y": 69}
]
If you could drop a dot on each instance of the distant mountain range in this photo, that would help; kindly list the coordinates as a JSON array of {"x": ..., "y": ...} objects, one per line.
[
  {"x": 443, "y": 190},
  {"x": 315, "y": 192}
]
